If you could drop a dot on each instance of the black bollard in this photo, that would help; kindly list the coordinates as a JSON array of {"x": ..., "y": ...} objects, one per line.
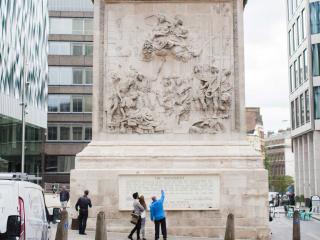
[
  {"x": 101, "y": 231},
  {"x": 230, "y": 228},
  {"x": 296, "y": 226},
  {"x": 62, "y": 229}
]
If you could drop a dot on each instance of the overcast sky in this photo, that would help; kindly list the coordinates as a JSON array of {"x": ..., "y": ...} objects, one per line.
[{"x": 266, "y": 61}]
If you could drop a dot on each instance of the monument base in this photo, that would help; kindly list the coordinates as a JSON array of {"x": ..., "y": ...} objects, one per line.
[{"x": 204, "y": 181}]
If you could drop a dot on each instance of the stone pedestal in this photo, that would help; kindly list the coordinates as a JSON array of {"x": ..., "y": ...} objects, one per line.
[
  {"x": 168, "y": 100},
  {"x": 243, "y": 188}
]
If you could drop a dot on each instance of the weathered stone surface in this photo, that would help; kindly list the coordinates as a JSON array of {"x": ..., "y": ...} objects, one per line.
[{"x": 168, "y": 100}]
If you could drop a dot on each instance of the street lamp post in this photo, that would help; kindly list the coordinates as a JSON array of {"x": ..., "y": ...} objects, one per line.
[{"x": 24, "y": 105}]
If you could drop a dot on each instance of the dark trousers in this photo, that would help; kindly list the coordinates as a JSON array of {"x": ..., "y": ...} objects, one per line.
[
  {"x": 137, "y": 228},
  {"x": 83, "y": 216},
  {"x": 163, "y": 224}
]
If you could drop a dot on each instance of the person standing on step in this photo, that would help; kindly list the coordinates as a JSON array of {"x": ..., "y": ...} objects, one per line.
[
  {"x": 82, "y": 205},
  {"x": 158, "y": 216}
]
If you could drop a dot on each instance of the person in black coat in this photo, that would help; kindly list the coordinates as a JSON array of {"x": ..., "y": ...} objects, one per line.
[
  {"x": 82, "y": 206},
  {"x": 64, "y": 197}
]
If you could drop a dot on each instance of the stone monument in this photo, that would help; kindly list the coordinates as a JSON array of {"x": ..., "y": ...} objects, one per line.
[{"x": 168, "y": 113}]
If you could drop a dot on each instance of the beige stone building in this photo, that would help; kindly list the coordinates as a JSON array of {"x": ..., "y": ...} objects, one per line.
[{"x": 255, "y": 130}]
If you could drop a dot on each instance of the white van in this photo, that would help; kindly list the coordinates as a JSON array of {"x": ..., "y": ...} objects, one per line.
[{"x": 23, "y": 213}]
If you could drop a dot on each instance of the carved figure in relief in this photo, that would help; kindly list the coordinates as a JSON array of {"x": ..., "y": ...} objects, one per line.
[
  {"x": 209, "y": 126},
  {"x": 168, "y": 37}
]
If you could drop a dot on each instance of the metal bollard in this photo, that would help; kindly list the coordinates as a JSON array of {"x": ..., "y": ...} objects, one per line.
[
  {"x": 62, "y": 229},
  {"x": 296, "y": 226},
  {"x": 229, "y": 235},
  {"x": 101, "y": 231}
]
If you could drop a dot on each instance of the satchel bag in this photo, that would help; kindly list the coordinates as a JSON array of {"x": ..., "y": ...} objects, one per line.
[{"x": 134, "y": 218}]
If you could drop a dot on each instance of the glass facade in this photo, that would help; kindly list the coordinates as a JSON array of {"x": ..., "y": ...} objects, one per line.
[
  {"x": 59, "y": 164},
  {"x": 316, "y": 92},
  {"x": 315, "y": 59},
  {"x": 315, "y": 17},
  {"x": 30, "y": 22},
  {"x": 10, "y": 146}
]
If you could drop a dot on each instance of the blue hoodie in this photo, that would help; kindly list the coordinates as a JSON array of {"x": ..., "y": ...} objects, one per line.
[{"x": 156, "y": 209}]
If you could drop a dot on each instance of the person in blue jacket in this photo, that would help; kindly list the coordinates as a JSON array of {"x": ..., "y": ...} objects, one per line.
[{"x": 158, "y": 216}]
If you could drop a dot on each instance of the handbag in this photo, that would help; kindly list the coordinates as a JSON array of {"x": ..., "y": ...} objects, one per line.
[{"x": 134, "y": 218}]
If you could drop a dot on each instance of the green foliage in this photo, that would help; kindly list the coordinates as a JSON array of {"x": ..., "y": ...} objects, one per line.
[
  {"x": 267, "y": 163},
  {"x": 280, "y": 183}
]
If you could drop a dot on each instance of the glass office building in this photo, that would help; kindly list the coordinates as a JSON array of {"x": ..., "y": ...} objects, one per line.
[
  {"x": 303, "y": 28},
  {"x": 24, "y": 28}
]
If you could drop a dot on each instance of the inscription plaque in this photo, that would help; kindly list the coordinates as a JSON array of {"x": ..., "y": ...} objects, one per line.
[{"x": 183, "y": 192}]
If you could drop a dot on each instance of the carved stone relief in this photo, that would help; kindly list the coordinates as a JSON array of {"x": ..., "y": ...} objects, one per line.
[{"x": 147, "y": 96}]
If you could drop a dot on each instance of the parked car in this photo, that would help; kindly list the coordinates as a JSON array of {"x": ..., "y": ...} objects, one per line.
[{"x": 22, "y": 209}]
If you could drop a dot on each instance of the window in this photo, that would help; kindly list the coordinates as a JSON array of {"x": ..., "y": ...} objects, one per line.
[
  {"x": 52, "y": 133},
  {"x": 88, "y": 133},
  {"x": 88, "y": 49},
  {"x": 77, "y": 49},
  {"x": 77, "y": 104},
  {"x": 64, "y": 103},
  {"x": 77, "y": 76},
  {"x": 317, "y": 102},
  {"x": 307, "y": 107},
  {"x": 294, "y": 37},
  {"x": 294, "y": 5},
  {"x": 59, "y": 48},
  {"x": 80, "y": 26},
  {"x": 291, "y": 79},
  {"x": 302, "y": 109},
  {"x": 88, "y": 103},
  {"x": 305, "y": 63},
  {"x": 315, "y": 17},
  {"x": 303, "y": 23},
  {"x": 76, "y": 133},
  {"x": 297, "y": 113},
  {"x": 70, "y": 48},
  {"x": 70, "y": 75},
  {"x": 53, "y": 103},
  {"x": 55, "y": 163},
  {"x": 301, "y": 67},
  {"x": 315, "y": 59},
  {"x": 299, "y": 30},
  {"x": 70, "y": 5},
  {"x": 296, "y": 74},
  {"x": 293, "y": 125},
  {"x": 290, "y": 43},
  {"x": 89, "y": 76},
  {"x": 289, "y": 4},
  {"x": 64, "y": 133}
]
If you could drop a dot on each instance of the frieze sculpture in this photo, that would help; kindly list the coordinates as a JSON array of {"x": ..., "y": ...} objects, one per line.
[
  {"x": 197, "y": 101},
  {"x": 168, "y": 37}
]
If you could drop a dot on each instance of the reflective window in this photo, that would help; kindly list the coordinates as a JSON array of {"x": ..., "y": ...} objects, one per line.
[
  {"x": 88, "y": 133},
  {"x": 315, "y": 59},
  {"x": 296, "y": 74},
  {"x": 289, "y": 4},
  {"x": 307, "y": 107},
  {"x": 315, "y": 17},
  {"x": 53, "y": 133},
  {"x": 69, "y": 103},
  {"x": 79, "y": 26},
  {"x": 70, "y": 75},
  {"x": 303, "y": 24},
  {"x": 59, "y": 163},
  {"x": 301, "y": 68},
  {"x": 290, "y": 43},
  {"x": 305, "y": 67},
  {"x": 76, "y": 133},
  {"x": 302, "y": 109},
  {"x": 294, "y": 37},
  {"x": 316, "y": 92},
  {"x": 293, "y": 125},
  {"x": 71, "y": 48},
  {"x": 291, "y": 79},
  {"x": 64, "y": 133},
  {"x": 297, "y": 113},
  {"x": 77, "y": 104}
]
